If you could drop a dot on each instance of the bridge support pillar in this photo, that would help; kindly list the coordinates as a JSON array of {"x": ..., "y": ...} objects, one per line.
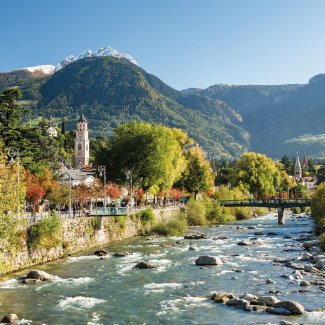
[{"x": 281, "y": 216}]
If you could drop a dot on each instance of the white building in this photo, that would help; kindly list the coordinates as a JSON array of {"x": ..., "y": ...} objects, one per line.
[{"x": 52, "y": 132}]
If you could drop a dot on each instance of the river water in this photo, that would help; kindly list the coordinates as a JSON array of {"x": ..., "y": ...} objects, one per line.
[{"x": 90, "y": 291}]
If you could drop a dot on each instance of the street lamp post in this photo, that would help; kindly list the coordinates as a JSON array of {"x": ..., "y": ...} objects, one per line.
[
  {"x": 13, "y": 153},
  {"x": 70, "y": 186},
  {"x": 102, "y": 172},
  {"x": 129, "y": 175}
]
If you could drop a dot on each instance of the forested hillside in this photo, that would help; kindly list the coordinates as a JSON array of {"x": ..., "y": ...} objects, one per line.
[
  {"x": 281, "y": 119},
  {"x": 111, "y": 91}
]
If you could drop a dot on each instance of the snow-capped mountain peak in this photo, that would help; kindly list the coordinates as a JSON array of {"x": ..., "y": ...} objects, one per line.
[
  {"x": 104, "y": 51},
  {"x": 46, "y": 69}
]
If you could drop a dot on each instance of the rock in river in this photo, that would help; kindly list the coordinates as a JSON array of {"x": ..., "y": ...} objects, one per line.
[
  {"x": 245, "y": 243},
  {"x": 121, "y": 254},
  {"x": 292, "y": 306},
  {"x": 195, "y": 236},
  {"x": 208, "y": 260},
  {"x": 304, "y": 283},
  {"x": 269, "y": 301},
  {"x": 37, "y": 275},
  {"x": 145, "y": 265},
  {"x": 100, "y": 252}
]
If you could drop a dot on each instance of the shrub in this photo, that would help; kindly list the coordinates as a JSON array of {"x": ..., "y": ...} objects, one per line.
[
  {"x": 243, "y": 213},
  {"x": 175, "y": 227},
  {"x": 296, "y": 210},
  {"x": 196, "y": 213},
  {"x": 318, "y": 208},
  {"x": 215, "y": 213},
  {"x": 322, "y": 241},
  {"x": 45, "y": 233},
  {"x": 147, "y": 215}
]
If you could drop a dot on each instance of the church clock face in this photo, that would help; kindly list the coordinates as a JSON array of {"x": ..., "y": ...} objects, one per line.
[{"x": 79, "y": 134}]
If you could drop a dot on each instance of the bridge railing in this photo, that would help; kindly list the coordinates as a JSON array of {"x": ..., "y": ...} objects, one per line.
[
  {"x": 253, "y": 201},
  {"x": 108, "y": 211}
]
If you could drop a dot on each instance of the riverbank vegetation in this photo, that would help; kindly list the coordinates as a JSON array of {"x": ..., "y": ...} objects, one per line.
[{"x": 318, "y": 212}]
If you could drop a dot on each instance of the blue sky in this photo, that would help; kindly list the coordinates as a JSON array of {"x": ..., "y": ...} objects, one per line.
[{"x": 186, "y": 43}]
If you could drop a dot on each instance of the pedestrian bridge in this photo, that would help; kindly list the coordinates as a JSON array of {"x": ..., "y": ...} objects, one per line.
[
  {"x": 279, "y": 204},
  {"x": 272, "y": 203}
]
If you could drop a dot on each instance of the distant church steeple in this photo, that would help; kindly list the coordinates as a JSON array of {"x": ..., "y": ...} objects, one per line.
[
  {"x": 81, "y": 143},
  {"x": 298, "y": 170}
]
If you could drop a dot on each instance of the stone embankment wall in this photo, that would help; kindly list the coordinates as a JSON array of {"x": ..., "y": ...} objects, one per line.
[{"x": 81, "y": 234}]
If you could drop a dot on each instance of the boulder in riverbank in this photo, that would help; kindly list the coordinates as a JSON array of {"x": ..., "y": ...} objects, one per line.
[
  {"x": 100, "y": 252},
  {"x": 208, "y": 260},
  {"x": 10, "y": 319},
  {"x": 37, "y": 275}
]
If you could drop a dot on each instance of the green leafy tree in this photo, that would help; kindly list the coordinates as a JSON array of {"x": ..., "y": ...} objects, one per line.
[
  {"x": 318, "y": 207},
  {"x": 151, "y": 152},
  {"x": 12, "y": 198},
  {"x": 197, "y": 176},
  {"x": 321, "y": 174},
  {"x": 257, "y": 174}
]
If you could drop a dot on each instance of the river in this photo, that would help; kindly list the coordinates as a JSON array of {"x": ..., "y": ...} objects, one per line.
[{"x": 90, "y": 291}]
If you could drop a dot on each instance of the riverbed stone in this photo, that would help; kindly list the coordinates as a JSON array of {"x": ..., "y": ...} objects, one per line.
[
  {"x": 10, "y": 319},
  {"x": 100, "y": 252},
  {"x": 304, "y": 283},
  {"x": 38, "y": 275},
  {"x": 192, "y": 248},
  {"x": 222, "y": 297},
  {"x": 259, "y": 233},
  {"x": 256, "y": 308},
  {"x": 248, "y": 297},
  {"x": 195, "y": 236},
  {"x": 270, "y": 281},
  {"x": 293, "y": 306},
  {"x": 245, "y": 243},
  {"x": 278, "y": 311},
  {"x": 272, "y": 233},
  {"x": 258, "y": 241},
  {"x": 208, "y": 260},
  {"x": 311, "y": 243},
  {"x": 251, "y": 227},
  {"x": 238, "y": 303},
  {"x": 297, "y": 275},
  {"x": 269, "y": 301},
  {"x": 121, "y": 254},
  {"x": 320, "y": 264},
  {"x": 145, "y": 265}
]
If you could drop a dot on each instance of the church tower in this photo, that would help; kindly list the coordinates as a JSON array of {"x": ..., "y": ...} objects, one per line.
[
  {"x": 81, "y": 143},
  {"x": 298, "y": 170}
]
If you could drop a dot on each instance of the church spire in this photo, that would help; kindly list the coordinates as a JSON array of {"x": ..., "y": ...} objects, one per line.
[
  {"x": 298, "y": 170},
  {"x": 82, "y": 117}
]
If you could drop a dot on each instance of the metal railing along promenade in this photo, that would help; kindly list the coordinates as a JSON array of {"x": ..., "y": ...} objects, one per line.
[{"x": 269, "y": 203}]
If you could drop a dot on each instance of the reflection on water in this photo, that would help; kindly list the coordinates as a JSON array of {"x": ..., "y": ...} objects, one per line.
[{"x": 87, "y": 290}]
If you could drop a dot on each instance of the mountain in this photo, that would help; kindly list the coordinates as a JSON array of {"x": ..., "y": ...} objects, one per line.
[
  {"x": 104, "y": 51},
  {"x": 281, "y": 119},
  {"x": 113, "y": 90}
]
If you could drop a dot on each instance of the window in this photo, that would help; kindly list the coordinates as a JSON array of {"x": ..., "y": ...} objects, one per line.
[
  {"x": 79, "y": 146},
  {"x": 86, "y": 147}
]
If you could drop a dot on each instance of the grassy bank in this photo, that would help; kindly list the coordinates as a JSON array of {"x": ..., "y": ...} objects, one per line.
[
  {"x": 207, "y": 211},
  {"x": 318, "y": 212}
]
